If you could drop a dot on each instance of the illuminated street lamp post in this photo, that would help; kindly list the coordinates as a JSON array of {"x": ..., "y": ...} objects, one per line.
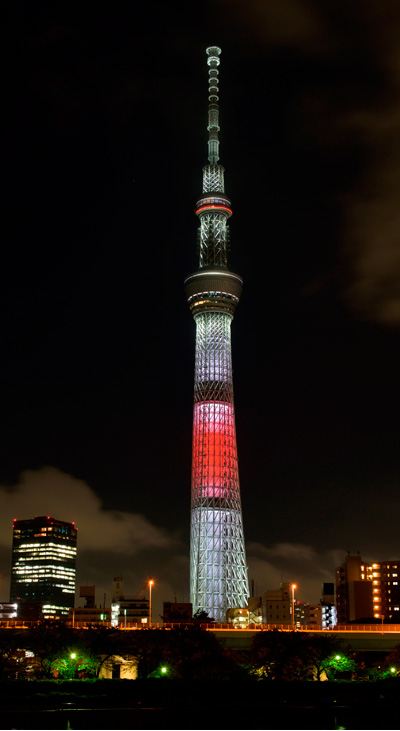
[
  {"x": 73, "y": 657},
  {"x": 151, "y": 582},
  {"x": 294, "y": 586}
]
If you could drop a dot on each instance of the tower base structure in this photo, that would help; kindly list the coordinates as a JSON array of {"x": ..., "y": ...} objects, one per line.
[{"x": 218, "y": 581}]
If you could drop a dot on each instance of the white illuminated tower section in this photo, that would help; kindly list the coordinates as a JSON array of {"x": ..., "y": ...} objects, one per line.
[{"x": 218, "y": 571}]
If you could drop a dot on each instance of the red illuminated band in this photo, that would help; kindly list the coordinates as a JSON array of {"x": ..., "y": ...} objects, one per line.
[
  {"x": 214, "y": 466},
  {"x": 211, "y": 205}
]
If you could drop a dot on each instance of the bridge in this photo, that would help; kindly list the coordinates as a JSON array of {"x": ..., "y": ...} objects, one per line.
[
  {"x": 366, "y": 637},
  {"x": 359, "y": 637}
]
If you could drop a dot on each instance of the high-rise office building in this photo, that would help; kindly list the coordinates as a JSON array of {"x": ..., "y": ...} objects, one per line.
[
  {"x": 43, "y": 566},
  {"x": 218, "y": 571}
]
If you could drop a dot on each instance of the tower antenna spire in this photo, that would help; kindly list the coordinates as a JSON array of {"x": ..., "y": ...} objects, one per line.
[{"x": 213, "y": 53}]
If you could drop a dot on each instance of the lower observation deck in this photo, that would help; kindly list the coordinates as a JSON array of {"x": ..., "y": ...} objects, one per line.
[{"x": 213, "y": 289}]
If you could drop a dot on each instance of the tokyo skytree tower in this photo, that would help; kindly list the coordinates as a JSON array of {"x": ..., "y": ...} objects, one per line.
[{"x": 218, "y": 571}]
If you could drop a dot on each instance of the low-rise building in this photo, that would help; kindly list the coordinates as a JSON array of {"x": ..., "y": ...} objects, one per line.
[
  {"x": 8, "y": 610},
  {"x": 177, "y": 612},
  {"x": 127, "y": 612},
  {"x": 82, "y": 616},
  {"x": 124, "y": 612},
  {"x": 277, "y": 606},
  {"x": 308, "y": 615}
]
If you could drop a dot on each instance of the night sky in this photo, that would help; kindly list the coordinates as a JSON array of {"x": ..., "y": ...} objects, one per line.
[{"x": 103, "y": 142}]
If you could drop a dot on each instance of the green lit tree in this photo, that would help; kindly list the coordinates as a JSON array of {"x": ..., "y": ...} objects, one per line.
[
  {"x": 277, "y": 655},
  {"x": 48, "y": 641},
  {"x": 320, "y": 648},
  {"x": 390, "y": 666},
  {"x": 60, "y": 651},
  {"x": 339, "y": 665},
  {"x": 75, "y": 665}
]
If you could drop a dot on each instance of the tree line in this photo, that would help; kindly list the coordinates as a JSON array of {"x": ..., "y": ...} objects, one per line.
[{"x": 53, "y": 650}]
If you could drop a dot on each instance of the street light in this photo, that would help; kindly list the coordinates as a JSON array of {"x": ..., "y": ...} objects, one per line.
[
  {"x": 151, "y": 582},
  {"x": 294, "y": 586}
]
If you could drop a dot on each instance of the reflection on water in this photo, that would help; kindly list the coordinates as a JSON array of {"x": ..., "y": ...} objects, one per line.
[{"x": 196, "y": 717}]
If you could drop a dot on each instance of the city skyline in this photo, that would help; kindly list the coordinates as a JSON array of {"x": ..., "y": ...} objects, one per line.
[{"x": 103, "y": 118}]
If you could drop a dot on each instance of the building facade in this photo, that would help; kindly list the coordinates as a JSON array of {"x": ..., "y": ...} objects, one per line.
[
  {"x": 218, "y": 571},
  {"x": 123, "y": 612},
  {"x": 177, "y": 612},
  {"x": 308, "y": 615},
  {"x": 8, "y": 610},
  {"x": 328, "y": 616},
  {"x": 328, "y": 606},
  {"x": 43, "y": 567},
  {"x": 368, "y": 590},
  {"x": 277, "y": 606},
  {"x": 128, "y": 612},
  {"x": 386, "y": 593}
]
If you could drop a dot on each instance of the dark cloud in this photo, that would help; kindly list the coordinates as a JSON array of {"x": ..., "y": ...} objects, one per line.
[
  {"x": 49, "y": 491},
  {"x": 110, "y": 542},
  {"x": 371, "y": 237},
  {"x": 297, "y": 563},
  {"x": 345, "y": 84}
]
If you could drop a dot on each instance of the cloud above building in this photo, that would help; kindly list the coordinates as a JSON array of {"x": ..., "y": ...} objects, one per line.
[
  {"x": 297, "y": 563},
  {"x": 49, "y": 491},
  {"x": 110, "y": 542},
  {"x": 349, "y": 102}
]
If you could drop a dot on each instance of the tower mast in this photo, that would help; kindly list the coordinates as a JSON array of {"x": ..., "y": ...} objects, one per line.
[{"x": 218, "y": 571}]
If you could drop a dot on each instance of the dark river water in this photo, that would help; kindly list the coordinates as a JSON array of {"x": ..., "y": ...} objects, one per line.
[{"x": 197, "y": 718}]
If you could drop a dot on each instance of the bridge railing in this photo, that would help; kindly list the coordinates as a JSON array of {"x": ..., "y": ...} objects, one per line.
[
  {"x": 309, "y": 628},
  {"x": 217, "y": 627}
]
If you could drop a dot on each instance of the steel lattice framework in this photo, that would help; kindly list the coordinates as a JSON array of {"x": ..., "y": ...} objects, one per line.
[{"x": 218, "y": 571}]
